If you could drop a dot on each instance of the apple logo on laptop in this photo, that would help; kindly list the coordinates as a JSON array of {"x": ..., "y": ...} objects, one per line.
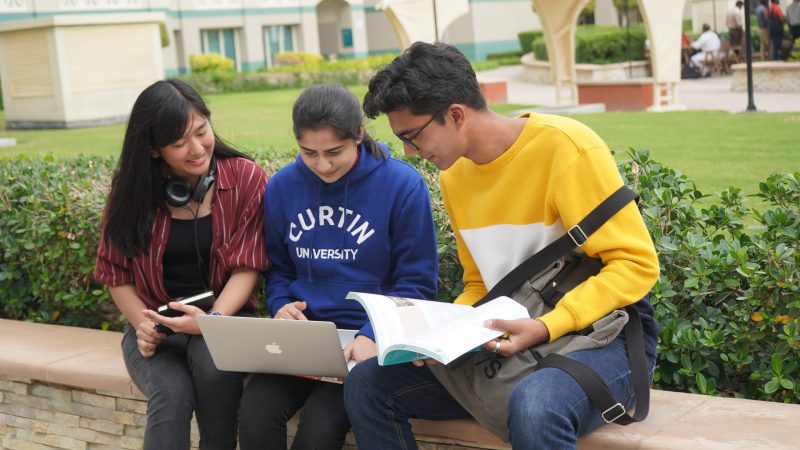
[{"x": 273, "y": 348}]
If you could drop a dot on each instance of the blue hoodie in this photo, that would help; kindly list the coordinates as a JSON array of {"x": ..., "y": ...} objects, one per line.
[{"x": 370, "y": 231}]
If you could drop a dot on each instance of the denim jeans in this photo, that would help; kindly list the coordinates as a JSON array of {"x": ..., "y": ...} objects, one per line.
[
  {"x": 269, "y": 401},
  {"x": 547, "y": 410},
  {"x": 180, "y": 379}
]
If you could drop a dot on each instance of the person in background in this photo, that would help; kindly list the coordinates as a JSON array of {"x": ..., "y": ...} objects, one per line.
[
  {"x": 159, "y": 245},
  {"x": 775, "y": 23},
  {"x": 735, "y": 23},
  {"x": 708, "y": 41},
  {"x": 763, "y": 30},
  {"x": 793, "y": 17},
  {"x": 345, "y": 216}
]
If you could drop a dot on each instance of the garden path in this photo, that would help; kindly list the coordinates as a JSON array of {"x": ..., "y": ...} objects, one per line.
[{"x": 713, "y": 93}]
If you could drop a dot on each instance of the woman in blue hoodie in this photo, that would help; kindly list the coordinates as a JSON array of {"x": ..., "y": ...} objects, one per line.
[{"x": 345, "y": 216}]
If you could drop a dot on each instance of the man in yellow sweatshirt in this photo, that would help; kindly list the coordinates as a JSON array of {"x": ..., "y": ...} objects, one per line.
[{"x": 511, "y": 186}]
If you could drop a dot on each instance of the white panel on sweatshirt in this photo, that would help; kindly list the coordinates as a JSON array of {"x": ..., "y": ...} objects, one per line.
[{"x": 498, "y": 249}]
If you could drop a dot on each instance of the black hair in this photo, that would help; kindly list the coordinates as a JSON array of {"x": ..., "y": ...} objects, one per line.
[
  {"x": 739, "y": 3},
  {"x": 159, "y": 117},
  {"x": 332, "y": 106},
  {"x": 426, "y": 78}
]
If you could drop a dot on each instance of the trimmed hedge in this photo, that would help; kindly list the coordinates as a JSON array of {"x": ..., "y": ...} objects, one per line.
[
  {"x": 210, "y": 63},
  {"x": 526, "y": 39},
  {"x": 300, "y": 69},
  {"x": 728, "y": 299},
  {"x": 601, "y": 44}
]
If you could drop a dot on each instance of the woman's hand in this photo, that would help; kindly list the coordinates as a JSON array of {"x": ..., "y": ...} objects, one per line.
[
  {"x": 359, "y": 349},
  {"x": 147, "y": 338},
  {"x": 292, "y": 311},
  {"x": 520, "y": 334},
  {"x": 184, "y": 324}
]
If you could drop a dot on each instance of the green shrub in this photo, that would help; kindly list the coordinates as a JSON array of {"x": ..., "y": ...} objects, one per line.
[
  {"x": 162, "y": 29},
  {"x": 480, "y": 65},
  {"x": 297, "y": 58},
  {"x": 504, "y": 56},
  {"x": 728, "y": 298},
  {"x": 348, "y": 72},
  {"x": 526, "y": 38},
  {"x": 601, "y": 44},
  {"x": 50, "y": 213},
  {"x": 210, "y": 63}
]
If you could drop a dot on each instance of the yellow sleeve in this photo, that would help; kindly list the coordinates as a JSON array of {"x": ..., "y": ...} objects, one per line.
[{"x": 623, "y": 243}]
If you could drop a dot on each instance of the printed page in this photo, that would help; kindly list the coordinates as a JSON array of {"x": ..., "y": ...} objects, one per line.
[
  {"x": 395, "y": 318},
  {"x": 452, "y": 338}
]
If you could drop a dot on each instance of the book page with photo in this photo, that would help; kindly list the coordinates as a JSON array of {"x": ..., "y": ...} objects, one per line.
[{"x": 409, "y": 329}]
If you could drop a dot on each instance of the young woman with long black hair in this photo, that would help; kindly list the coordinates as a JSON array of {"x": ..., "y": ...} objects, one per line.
[{"x": 184, "y": 216}]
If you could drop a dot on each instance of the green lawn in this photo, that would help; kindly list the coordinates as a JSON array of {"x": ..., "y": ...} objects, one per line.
[{"x": 714, "y": 148}]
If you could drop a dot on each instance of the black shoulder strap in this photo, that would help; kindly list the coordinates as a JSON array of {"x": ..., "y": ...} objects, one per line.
[
  {"x": 597, "y": 390},
  {"x": 590, "y": 381},
  {"x": 576, "y": 236}
]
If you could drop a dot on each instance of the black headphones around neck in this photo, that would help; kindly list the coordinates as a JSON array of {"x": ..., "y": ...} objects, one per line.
[{"x": 179, "y": 192}]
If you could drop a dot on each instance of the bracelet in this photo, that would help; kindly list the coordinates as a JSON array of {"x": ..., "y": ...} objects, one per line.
[{"x": 214, "y": 312}]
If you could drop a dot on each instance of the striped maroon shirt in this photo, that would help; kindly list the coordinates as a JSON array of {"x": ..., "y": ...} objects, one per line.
[{"x": 237, "y": 237}]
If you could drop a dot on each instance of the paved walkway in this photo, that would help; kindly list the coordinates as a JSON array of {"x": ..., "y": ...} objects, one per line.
[{"x": 713, "y": 93}]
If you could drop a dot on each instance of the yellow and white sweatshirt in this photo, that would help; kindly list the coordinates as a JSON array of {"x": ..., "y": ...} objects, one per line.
[{"x": 502, "y": 212}]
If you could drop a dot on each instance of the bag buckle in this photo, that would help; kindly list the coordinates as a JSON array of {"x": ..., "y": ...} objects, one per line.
[
  {"x": 577, "y": 235},
  {"x": 617, "y": 409}
]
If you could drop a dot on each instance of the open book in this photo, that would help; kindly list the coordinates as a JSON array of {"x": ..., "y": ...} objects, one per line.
[{"x": 409, "y": 329}]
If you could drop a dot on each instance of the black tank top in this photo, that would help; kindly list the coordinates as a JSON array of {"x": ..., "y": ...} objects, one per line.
[{"x": 182, "y": 277}]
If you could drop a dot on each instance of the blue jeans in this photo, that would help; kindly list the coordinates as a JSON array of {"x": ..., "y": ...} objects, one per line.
[
  {"x": 180, "y": 379},
  {"x": 547, "y": 410},
  {"x": 776, "y": 40}
]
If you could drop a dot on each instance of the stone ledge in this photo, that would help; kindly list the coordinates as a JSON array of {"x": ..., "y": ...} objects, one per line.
[
  {"x": 768, "y": 76},
  {"x": 539, "y": 72},
  {"x": 47, "y": 367}
]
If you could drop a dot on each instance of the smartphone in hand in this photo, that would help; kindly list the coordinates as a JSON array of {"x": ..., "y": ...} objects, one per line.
[{"x": 203, "y": 301}]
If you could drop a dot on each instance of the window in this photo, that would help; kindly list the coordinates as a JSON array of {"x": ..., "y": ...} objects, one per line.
[
  {"x": 220, "y": 41},
  {"x": 277, "y": 39}
]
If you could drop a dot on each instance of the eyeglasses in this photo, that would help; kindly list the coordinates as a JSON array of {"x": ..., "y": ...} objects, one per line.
[{"x": 410, "y": 139}]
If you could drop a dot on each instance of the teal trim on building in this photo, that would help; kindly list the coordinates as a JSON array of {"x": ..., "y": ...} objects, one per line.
[
  {"x": 479, "y": 50},
  {"x": 241, "y": 12},
  {"x": 168, "y": 73},
  {"x": 252, "y": 65},
  {"x": 19, "y": 16},
  {"x": 16, "y": 16},
  {"x": 383, "y": 52},
  {"x": 171, "y": 13}
]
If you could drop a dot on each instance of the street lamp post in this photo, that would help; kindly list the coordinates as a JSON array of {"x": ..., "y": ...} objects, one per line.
[
  {"x": 751, "y": 106},
  {"x": 435, "y": 24}
]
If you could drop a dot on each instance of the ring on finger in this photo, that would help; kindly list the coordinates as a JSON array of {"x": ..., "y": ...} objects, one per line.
[{"x": 496, "y": 347}]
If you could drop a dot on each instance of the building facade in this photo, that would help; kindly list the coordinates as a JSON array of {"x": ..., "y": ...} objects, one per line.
[{"x": 253, "y": 32}]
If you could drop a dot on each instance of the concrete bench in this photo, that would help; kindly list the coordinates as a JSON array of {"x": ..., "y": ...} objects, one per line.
[
  {"x": 67, "y": 387},
  {"x": 618, "y": 95}
]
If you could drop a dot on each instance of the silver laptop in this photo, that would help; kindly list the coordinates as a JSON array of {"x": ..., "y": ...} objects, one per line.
[{"x": 289, "y": 347}]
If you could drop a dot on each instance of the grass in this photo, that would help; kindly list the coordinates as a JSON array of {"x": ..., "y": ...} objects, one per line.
[{"x": 716, "y": 149}]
